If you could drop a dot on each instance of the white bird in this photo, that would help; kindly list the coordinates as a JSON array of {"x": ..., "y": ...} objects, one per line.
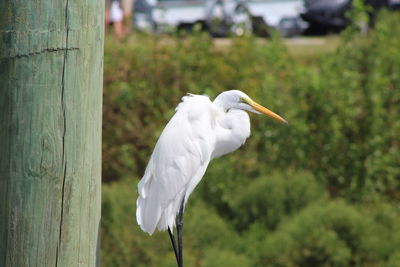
[{"x": 199, "y": 131}]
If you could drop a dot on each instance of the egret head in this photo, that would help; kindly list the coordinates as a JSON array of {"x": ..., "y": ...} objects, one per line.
[{"x": 239, "y": 100}]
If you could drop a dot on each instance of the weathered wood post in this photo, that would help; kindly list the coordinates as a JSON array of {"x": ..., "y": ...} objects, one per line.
[{"x": 51, "y": 67}]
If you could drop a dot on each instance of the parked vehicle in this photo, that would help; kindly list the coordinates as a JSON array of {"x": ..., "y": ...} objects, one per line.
[
  {"x": 292, "y": 26},
  {"x": 218, "y": 17},
  {"x": 330, "y": 15}
]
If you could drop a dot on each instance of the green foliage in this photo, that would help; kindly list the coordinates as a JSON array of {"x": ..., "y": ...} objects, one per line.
[
  {"x": 321, "y": 191},
  {"x": 124, "y": 244},
  {"x": 225, "y": 258},
  {"x": 309, "y": 231},
  {"x": 267, "y": 200},
  {"x": 359, "y": 17},
  {"x": 331, "y": 234},
  {"x": 155, "y": 74},
  {"x": 336, "y": 107}
]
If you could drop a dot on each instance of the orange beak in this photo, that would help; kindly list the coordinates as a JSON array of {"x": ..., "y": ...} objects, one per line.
[{"x": 264, "y": 110}]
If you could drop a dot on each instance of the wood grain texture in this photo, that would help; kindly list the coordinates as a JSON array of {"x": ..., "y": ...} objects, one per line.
[{"x": 51, "y": 67}]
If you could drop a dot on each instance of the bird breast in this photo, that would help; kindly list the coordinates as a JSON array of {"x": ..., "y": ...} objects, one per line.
[{"x": 232, "y": 130}]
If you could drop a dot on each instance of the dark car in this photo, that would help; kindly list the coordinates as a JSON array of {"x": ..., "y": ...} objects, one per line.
[{"x": 330, "y": 15}]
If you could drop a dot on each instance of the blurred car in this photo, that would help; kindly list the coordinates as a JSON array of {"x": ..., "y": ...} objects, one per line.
[
  {"x": 218, "y": 17},
  {"x": 326, "y": 14},
  {"x": 330, "y": 15},
  {"x": 292, "y": 26},
  {"x": 223, "y": 18},
  {"x": 394, "y": 4}
]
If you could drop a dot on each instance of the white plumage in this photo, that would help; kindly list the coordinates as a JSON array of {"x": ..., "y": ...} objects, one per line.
[{"x": 199, "y": 131}]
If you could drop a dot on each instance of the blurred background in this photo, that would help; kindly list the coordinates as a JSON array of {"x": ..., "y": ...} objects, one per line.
[{"x": 321, "y": 191}]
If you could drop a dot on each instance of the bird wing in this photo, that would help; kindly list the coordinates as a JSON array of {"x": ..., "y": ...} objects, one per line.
[{"x": 178, "y": 163}]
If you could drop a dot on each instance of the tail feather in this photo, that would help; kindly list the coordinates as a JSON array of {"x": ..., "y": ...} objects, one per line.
[
  {"x": 151, "y": 215},
  {"x": 155, "y": 209},
  {"x": 168, "y": 215},
  {"x": 148, "y": 214},
  {"x": 148, "y": 210}
]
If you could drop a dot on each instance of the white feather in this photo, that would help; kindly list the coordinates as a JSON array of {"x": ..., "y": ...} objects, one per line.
[
  {"x": 178, "y": 162},
  {"x": 199, "y": 131}
]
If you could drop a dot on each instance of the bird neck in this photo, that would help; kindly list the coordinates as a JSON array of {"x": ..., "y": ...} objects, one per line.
[
  {"x": 222, "y": 102},
  {"x": 233, "y": 128}
]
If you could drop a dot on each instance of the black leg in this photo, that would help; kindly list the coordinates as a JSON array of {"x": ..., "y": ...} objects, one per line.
[
  {"x": 179, "y": 228},
  {"x": 171, "y": 236}
]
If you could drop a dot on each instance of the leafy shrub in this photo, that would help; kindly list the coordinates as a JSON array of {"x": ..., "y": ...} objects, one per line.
[
  {"x": 316, "y": 231},
  {"x": 321, "y": 191},
  {"x": 124, "y": 244},
  {"x": 337, "y": 107},
  {"x": 225, "y": 258},
  {"x": 331, "y": 234},
  {"x": 267, "y": 200}
]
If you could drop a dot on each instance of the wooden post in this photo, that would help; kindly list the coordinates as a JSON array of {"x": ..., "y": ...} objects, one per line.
[{"x": 51, "y": 67}]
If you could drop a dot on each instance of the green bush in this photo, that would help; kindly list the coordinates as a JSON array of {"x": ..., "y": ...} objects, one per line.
[
  {"x": 124, "y": 244},
  {"x": 332, "y": 234},
  {"x": 343, "y": 110},
  {"x": 310, "y": 231},
  {"x": 267, "y": 200},
  {"x": 321, "y": 191},
  {"x": 225, "y": 258}
]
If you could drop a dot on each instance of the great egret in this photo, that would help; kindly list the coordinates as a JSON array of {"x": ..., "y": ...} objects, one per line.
[{"x": 199, "y": 131}]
